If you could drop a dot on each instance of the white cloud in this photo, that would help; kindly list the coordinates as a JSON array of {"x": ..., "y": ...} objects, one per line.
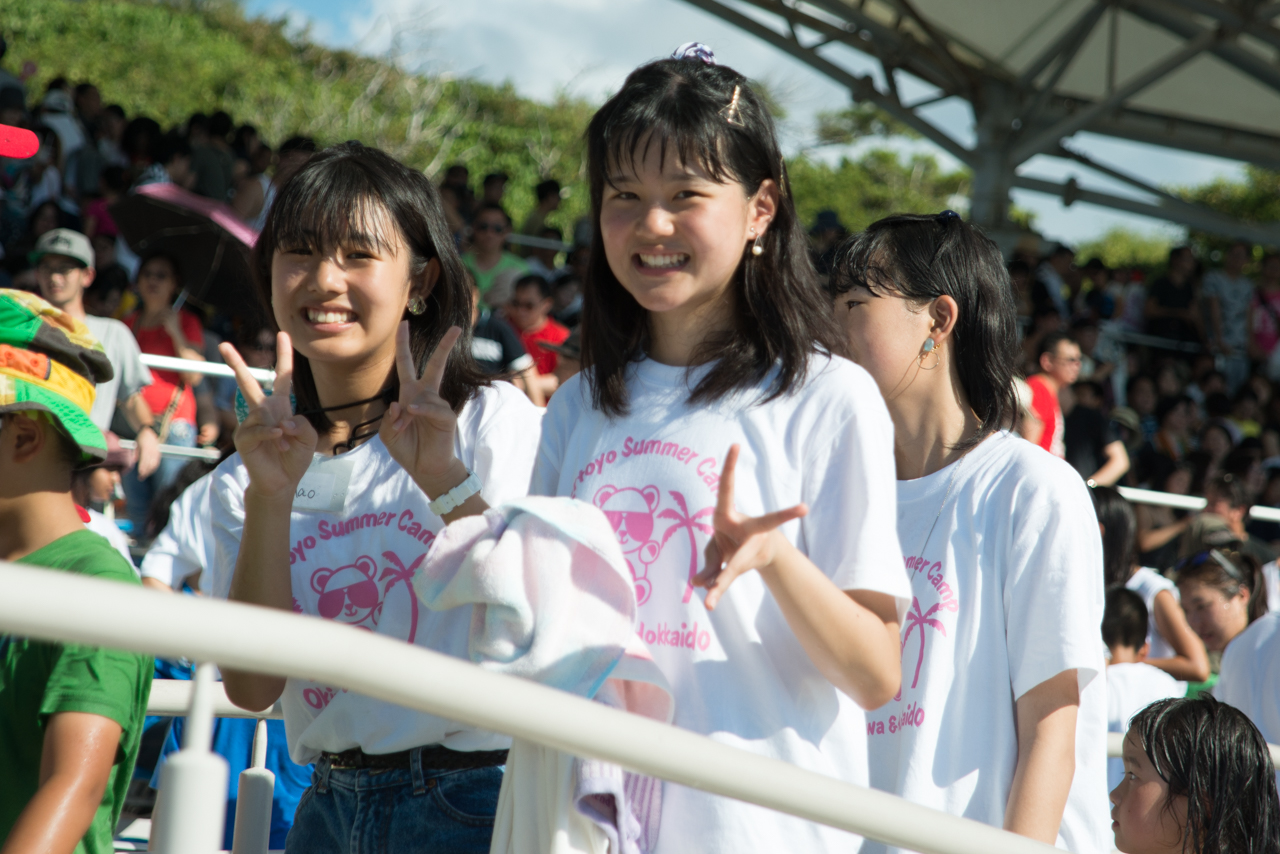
[{"x": 587, "y": 47}]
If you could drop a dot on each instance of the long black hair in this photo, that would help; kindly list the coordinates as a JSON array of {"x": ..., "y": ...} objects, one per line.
[
  {"x": 1119, "y": 534},
  {"x": 337, "y": 198},
  {"x": 921, "y": 258},
  {"x": 708, "y": 115},
  {"x": 1211, "y": 754}
]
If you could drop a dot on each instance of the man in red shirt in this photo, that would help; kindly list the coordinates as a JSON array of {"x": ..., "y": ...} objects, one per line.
[
  {"x": 1059, "y": 366},
  {"x": 530, "y": 313}
]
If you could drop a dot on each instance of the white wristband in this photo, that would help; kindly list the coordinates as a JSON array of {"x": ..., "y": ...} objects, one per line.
[{"x": 455, "y": 497}]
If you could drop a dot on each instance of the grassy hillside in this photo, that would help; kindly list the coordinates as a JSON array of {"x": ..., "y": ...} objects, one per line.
[{"x": 169, "y": 58}]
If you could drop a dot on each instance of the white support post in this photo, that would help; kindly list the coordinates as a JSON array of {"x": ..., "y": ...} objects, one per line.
[
  {"x": 192, "y": 802},
  {"x": 253, "y": 801}
]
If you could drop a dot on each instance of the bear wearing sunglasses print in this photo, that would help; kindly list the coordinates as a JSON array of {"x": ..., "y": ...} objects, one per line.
[
  {"x": 630, "y": 512},
  {"x": 353, "y": 594}
]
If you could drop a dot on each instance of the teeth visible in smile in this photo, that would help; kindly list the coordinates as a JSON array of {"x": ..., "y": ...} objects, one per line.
[
  {"x": 317, "y": 316},
  {"x": 663, "y": 260}
]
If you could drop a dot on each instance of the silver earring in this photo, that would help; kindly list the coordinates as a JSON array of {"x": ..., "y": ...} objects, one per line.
[{"x": 417, "y": 305}]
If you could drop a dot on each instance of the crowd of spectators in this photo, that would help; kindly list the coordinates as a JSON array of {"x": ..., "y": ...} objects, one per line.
[{"x": 1163, "y": 379}]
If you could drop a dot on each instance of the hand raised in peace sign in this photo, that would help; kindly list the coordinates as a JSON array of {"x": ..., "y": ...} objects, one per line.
[
  {"x": 418, "y": 428},
  {"x": 741, "y": 543},
  {"x": 275, "y": 445}
]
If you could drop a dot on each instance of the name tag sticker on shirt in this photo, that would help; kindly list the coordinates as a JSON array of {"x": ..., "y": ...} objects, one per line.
[{"x": 324, "y": 486}]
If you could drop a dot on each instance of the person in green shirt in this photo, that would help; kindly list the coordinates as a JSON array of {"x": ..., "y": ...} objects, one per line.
[
  {"x": 486, "y": 258},
  {"x": 70, "y": 715}
]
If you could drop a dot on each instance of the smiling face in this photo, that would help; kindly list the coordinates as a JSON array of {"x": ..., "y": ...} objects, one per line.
[
  {"x": 1140, "y": 819},
  {"x": 672, "y": 234},
  {"x": 342, "y": 304}
]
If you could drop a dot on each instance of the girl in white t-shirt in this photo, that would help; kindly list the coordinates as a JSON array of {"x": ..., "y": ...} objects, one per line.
[
  {"x": 707, "y": 347},
  {"x": 1173, "y": 646},
  {"x": 1002, "y": 714},
  {"x": 329, "y": 507}
]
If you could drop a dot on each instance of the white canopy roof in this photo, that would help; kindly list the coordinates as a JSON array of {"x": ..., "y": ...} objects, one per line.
[{"x": 1196, "y": 75}]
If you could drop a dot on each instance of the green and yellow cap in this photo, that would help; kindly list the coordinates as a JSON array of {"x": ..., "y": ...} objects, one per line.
[{"x": 50, "y": 362}]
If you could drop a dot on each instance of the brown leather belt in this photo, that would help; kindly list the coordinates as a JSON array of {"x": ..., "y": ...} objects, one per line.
[{"x": 433, "y": 756}]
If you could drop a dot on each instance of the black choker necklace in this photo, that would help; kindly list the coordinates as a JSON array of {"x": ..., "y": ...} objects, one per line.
[{"x": 386, "y": 396}]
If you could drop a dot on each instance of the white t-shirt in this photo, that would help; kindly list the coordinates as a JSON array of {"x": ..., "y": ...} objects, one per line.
[
  {"x": 1249, "y": 677},
  {"x": 356, "y": 566},
  {"x": 739, "y": 674},
  {"x": 1130, "y": 689},
  {"x": 1147, "y": 583},
  {"x": 126, "y": 360},
  {"x": 185, "y": 546},
  {"x": 1008, "y": 593}
]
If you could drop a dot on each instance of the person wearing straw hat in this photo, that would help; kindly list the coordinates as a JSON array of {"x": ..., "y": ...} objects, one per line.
[{"x": 70, "y": 715}]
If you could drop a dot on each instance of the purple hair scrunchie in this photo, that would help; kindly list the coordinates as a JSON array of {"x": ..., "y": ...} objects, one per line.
[{"x": 695, "y": 50}]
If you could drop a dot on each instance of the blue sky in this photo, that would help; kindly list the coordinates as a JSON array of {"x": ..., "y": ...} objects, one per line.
[{"x": 586, "y": 47}]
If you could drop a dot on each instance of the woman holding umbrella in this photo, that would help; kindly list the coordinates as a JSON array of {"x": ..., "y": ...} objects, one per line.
[{"x": 162, "y": 330}]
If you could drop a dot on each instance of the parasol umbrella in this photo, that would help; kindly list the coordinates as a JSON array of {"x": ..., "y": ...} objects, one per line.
[{"x": 206, "y": 237}]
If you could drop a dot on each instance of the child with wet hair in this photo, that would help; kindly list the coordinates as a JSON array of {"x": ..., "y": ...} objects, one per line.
[{"x": 1198, "y": 779}]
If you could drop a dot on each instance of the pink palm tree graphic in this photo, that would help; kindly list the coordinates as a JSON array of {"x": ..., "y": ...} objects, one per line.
[
  {"x": 684, "y": 521},
  {"x": 397, "y": 573},
  {"x": 916, "y": 618}
]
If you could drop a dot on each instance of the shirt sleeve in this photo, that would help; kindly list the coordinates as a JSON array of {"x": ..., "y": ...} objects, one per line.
[
  {"x": 506, "y": 444},
  {"x": 1053, "y": 591},
  {"x": 133, "y": 374},
  {"x": 97, "y": 681},
  {"x": 562, "y": 410},
  {"x": 226, "y": 511},
  {"x": 850, "y": 487}
]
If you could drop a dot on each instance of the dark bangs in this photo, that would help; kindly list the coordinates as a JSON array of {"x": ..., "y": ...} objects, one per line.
[
  {"x": 707, "y": 115},
  {"x": 353, "y": 196},
  {"x": 921, "y": 258},
  {"x": 1211, "y": 754}
]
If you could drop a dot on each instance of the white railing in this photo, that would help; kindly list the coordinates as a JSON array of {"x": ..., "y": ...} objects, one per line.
[
  {"x": 209, "y": 369},
  {"x": 1189, "y": 502},
  {"x": 63, "y": 607}
]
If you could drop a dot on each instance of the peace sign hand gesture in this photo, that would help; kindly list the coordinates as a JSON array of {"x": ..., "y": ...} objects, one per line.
[
  {"x": 275, "y": 445},
  {"x": 418, "y": 428},
  {"x": 741, "y": 543}
]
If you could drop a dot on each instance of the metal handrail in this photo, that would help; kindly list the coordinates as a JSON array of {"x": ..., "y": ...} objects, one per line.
[
  {"x": 1115, "y": 748},
  {"x": 172, "y": 698},
  {"x": 209, "y": 369},
  {"x": 1188, "y": 502},
  {"x": 59, "y": 606}
]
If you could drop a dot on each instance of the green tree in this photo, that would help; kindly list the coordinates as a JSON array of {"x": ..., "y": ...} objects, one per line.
[
  {"x": 1124, "y": 247},
  {"x": 878, "y": 183}
]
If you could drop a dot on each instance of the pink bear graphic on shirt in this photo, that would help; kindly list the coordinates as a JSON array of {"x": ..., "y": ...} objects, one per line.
[
  {"x": 349, "y": 594},
  {"x": 630, "y": 512}
]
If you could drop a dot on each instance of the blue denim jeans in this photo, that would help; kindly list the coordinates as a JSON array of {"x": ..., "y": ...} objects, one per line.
[
  {"x": 398, "y": 811},
  {"x": 140, "y": 493}
]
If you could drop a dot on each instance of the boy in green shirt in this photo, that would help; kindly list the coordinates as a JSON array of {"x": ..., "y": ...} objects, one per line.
[{"x": 70, "y": 715}]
